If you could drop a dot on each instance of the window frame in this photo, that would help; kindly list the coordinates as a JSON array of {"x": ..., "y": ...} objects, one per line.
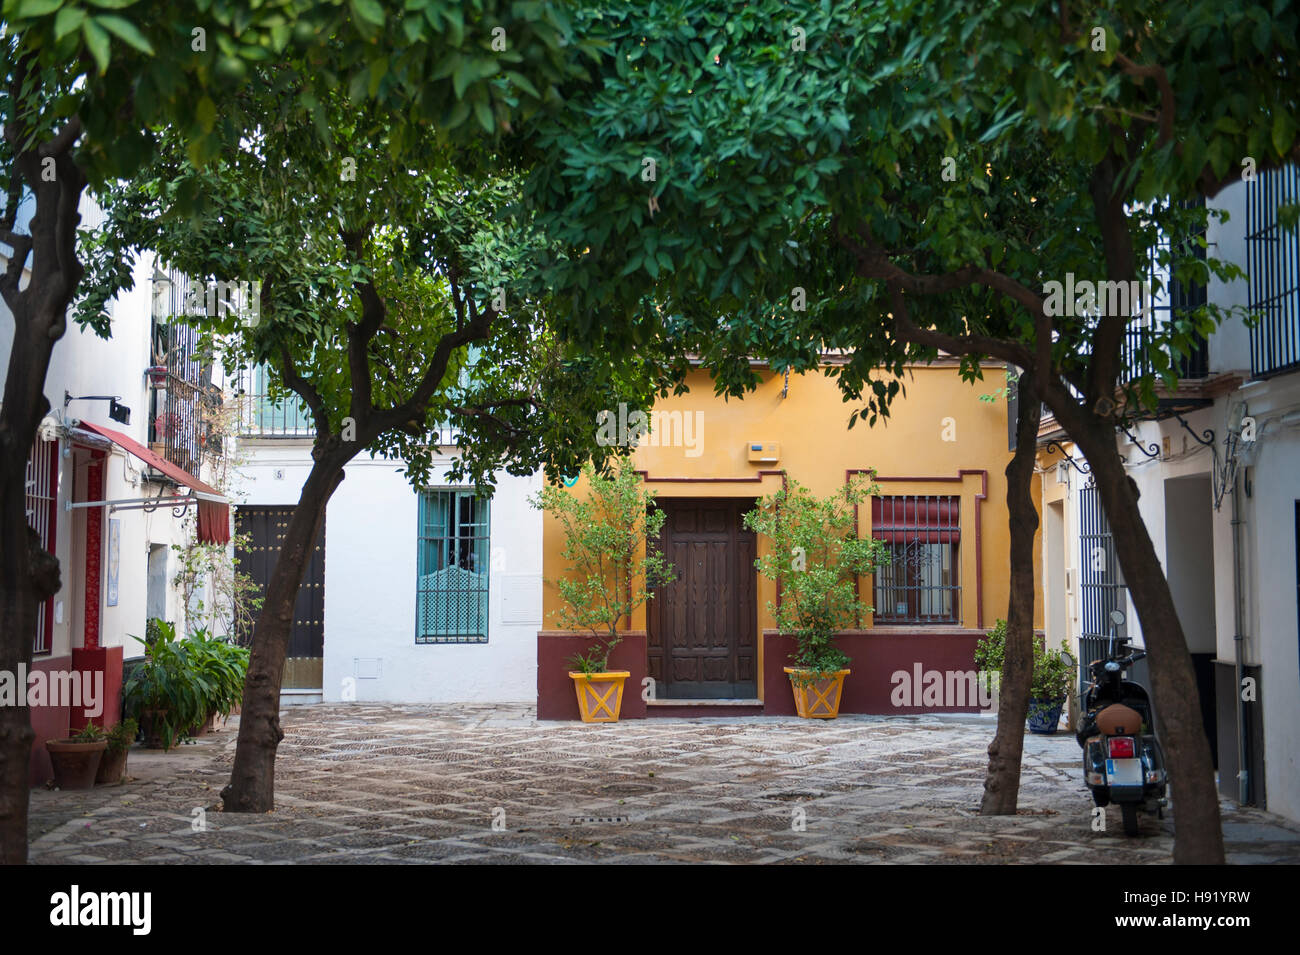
[
  {"x": 475, "y": 544},
  {"x": 936, "y": 525}
]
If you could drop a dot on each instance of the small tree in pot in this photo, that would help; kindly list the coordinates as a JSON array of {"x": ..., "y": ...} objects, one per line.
[
  {"x": 1053, "y": 675},
  {"x": 815, "y": 558},
  {"x": 613, "y": 567}
]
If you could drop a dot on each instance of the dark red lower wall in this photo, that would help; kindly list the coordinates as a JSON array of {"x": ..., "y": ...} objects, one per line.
[
  {"x": 876, "y": 656},
  {"x": 556, "y": 698},
  {"x": 58, "y": 722}
]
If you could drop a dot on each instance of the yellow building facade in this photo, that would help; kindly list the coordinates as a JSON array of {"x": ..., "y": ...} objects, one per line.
[{"x": 707, "y": 642}]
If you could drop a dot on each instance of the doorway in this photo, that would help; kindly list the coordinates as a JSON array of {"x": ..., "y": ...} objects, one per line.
[
  {"x": 702, "y": 639},
  {"x": 266, "y": 527},
  {"x": 1189, "y": 559}
]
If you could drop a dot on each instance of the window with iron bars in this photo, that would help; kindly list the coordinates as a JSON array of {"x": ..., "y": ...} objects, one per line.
[
  {"x": 920, "y": 584},
  {"x": 1273, "y": 263},
  {"x": 1178, "y": 298},
  {"x": 452, "y": 567},
  {"x": 42, "y": 487}
]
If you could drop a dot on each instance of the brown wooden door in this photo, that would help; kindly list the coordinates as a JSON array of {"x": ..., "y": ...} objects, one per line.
[
  {"x": 702, "y": 627},
  {"x": 267, "y": 526}
]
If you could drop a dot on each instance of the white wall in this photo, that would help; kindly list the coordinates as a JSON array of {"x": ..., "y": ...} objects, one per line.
[
  {"x": 84, "y": 364},
  {"x": 370, "y": 584}
]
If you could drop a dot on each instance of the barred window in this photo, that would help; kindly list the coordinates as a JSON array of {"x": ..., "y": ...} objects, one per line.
[
  {"x": 452, "y": 568},
  {"x": 1273, "y": 263},
  {"x": 920, "y": 582},
  {"x": 42, "y": 486}
]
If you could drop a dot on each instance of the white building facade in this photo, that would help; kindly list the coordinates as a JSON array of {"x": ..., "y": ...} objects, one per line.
[
  {"x": 1218, "y": 471},
  {"x": 424, "y": 596}
]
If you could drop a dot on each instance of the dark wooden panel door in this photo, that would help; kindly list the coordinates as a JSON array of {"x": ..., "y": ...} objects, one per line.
[
  {"x": 701, "y": 627},
  {"x": 266, "y": 527}
]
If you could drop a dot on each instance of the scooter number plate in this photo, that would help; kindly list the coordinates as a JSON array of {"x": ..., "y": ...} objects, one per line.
[{"x": 1124, "y": 772}]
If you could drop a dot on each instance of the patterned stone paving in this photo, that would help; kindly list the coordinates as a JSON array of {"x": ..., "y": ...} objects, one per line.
[{"x": 370, "y": 783}]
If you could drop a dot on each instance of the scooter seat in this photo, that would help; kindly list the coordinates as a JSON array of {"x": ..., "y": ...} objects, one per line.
[{"x": 1119, "y": 720}]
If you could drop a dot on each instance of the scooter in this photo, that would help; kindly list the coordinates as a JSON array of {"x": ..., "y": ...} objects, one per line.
[{"x": 1122, "y": 759}]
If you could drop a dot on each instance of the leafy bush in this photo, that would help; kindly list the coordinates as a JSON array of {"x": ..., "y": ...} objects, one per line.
[
  {"x": 991, "y": 647},
  {"x": 181, "y": 683},
  {"x": 604, "y": 533},
  {"x": 816, "y": 557}
]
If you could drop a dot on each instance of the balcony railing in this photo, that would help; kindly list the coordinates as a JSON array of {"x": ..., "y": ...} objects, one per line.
[
  {"x": 264, "y": 416},
  {"x": 1176, "y": 299},
  {"x": 1273, "y": 261},
  {"x": 181, "y": 390}
]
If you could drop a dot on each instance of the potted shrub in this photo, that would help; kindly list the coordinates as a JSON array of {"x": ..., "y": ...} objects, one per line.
[
  {"x": 166, "y": 693},
  {"x": 223, "y": 667},
  {"x": 112, "y": 767},
  {"x": 1053, "y": 676},
  {"x": 988, "y": 659},
  {"x": 815, "y": 557},
  {"x": 76, "y": 759},
  {"x": 614, "y": 566},
  {"x": 1049, "y": 686}
]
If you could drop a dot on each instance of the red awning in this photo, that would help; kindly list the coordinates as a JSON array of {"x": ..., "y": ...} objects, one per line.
[
  {"x": 214, "y": 509},
  {"x": 904, "y": 518}
]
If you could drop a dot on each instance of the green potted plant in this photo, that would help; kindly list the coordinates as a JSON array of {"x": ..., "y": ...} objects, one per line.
[
  {"x": 614, "y": 566},
  {"x": 76, "y": 759},
  {"x": 1053, "y": 677},
  {"x": 989, "y": 653},
  {"x": 1049, "y": 686},
  {"x": 165, "y": 693},
  {"x": 816, "y": 557},
  {"x": 223, "y": 665},
  {"x": 112, "y": 767}
]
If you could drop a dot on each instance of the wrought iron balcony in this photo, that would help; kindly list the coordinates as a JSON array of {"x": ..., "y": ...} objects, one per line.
[{"x": 1273, "y": 262}]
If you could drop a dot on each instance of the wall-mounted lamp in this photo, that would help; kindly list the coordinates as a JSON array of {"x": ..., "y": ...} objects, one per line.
[{"x": 118, "y": 412}]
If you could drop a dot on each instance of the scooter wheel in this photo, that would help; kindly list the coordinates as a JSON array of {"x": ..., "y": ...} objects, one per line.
[
  {"x": 1130, "y": 812},
  {"x": 1100, "y": 797}
]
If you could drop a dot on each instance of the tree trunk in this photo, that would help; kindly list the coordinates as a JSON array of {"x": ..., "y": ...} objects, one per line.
[
  {"x": 18, "y": 625},
  {"x": 1198, "y": 836},
  {"x": 1002, "y": 782},
  {"x": 252, "y": 779},
  {"x": 28, "y": 575}
]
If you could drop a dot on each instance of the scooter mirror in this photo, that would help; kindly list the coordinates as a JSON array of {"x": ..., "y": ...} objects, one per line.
[{"x": 1117, "y": 617}]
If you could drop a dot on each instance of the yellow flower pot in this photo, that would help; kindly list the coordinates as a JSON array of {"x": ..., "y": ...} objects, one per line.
[
  {"x": 600, "y": 695},
  {"x": 817, "y": 695}
]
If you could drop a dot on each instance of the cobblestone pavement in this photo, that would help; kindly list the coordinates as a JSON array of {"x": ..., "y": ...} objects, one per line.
[{"x": 370, "y": 783}]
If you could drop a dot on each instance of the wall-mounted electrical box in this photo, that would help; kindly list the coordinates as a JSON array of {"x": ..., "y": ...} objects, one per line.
[{"x": 764, "y": 452}]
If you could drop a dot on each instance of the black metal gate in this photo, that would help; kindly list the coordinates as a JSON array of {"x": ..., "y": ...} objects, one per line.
[
  {"x": 1101, "y": 586},
  {"x": 265, "y": 528}
]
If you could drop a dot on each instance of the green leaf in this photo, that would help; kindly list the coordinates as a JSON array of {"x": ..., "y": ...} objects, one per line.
[
  {"x": 127, "y": 31},
  {"x": 36, "y": 8},
  {"x": 206, "y": 113},
  {"x": 370, "y": 11},
  {"x": 97, "y": 42},
  {"x": 69, "y": 19},
  {"x": 483, "y": 113}
]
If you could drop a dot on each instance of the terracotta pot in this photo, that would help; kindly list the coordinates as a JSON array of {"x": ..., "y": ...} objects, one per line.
[
  {"x": 112, "y": 768},
  {"x": 600, "y": 695},
  {"x": 817, "y": 695},
  {"x": 151, "y": 724},
  {"x": 75, "y": 764},
  {"x": 204, "y": 728}
]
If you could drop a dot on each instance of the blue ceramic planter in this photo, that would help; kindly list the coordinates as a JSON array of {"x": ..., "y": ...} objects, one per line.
[{"x": 1045, "y": 716}]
